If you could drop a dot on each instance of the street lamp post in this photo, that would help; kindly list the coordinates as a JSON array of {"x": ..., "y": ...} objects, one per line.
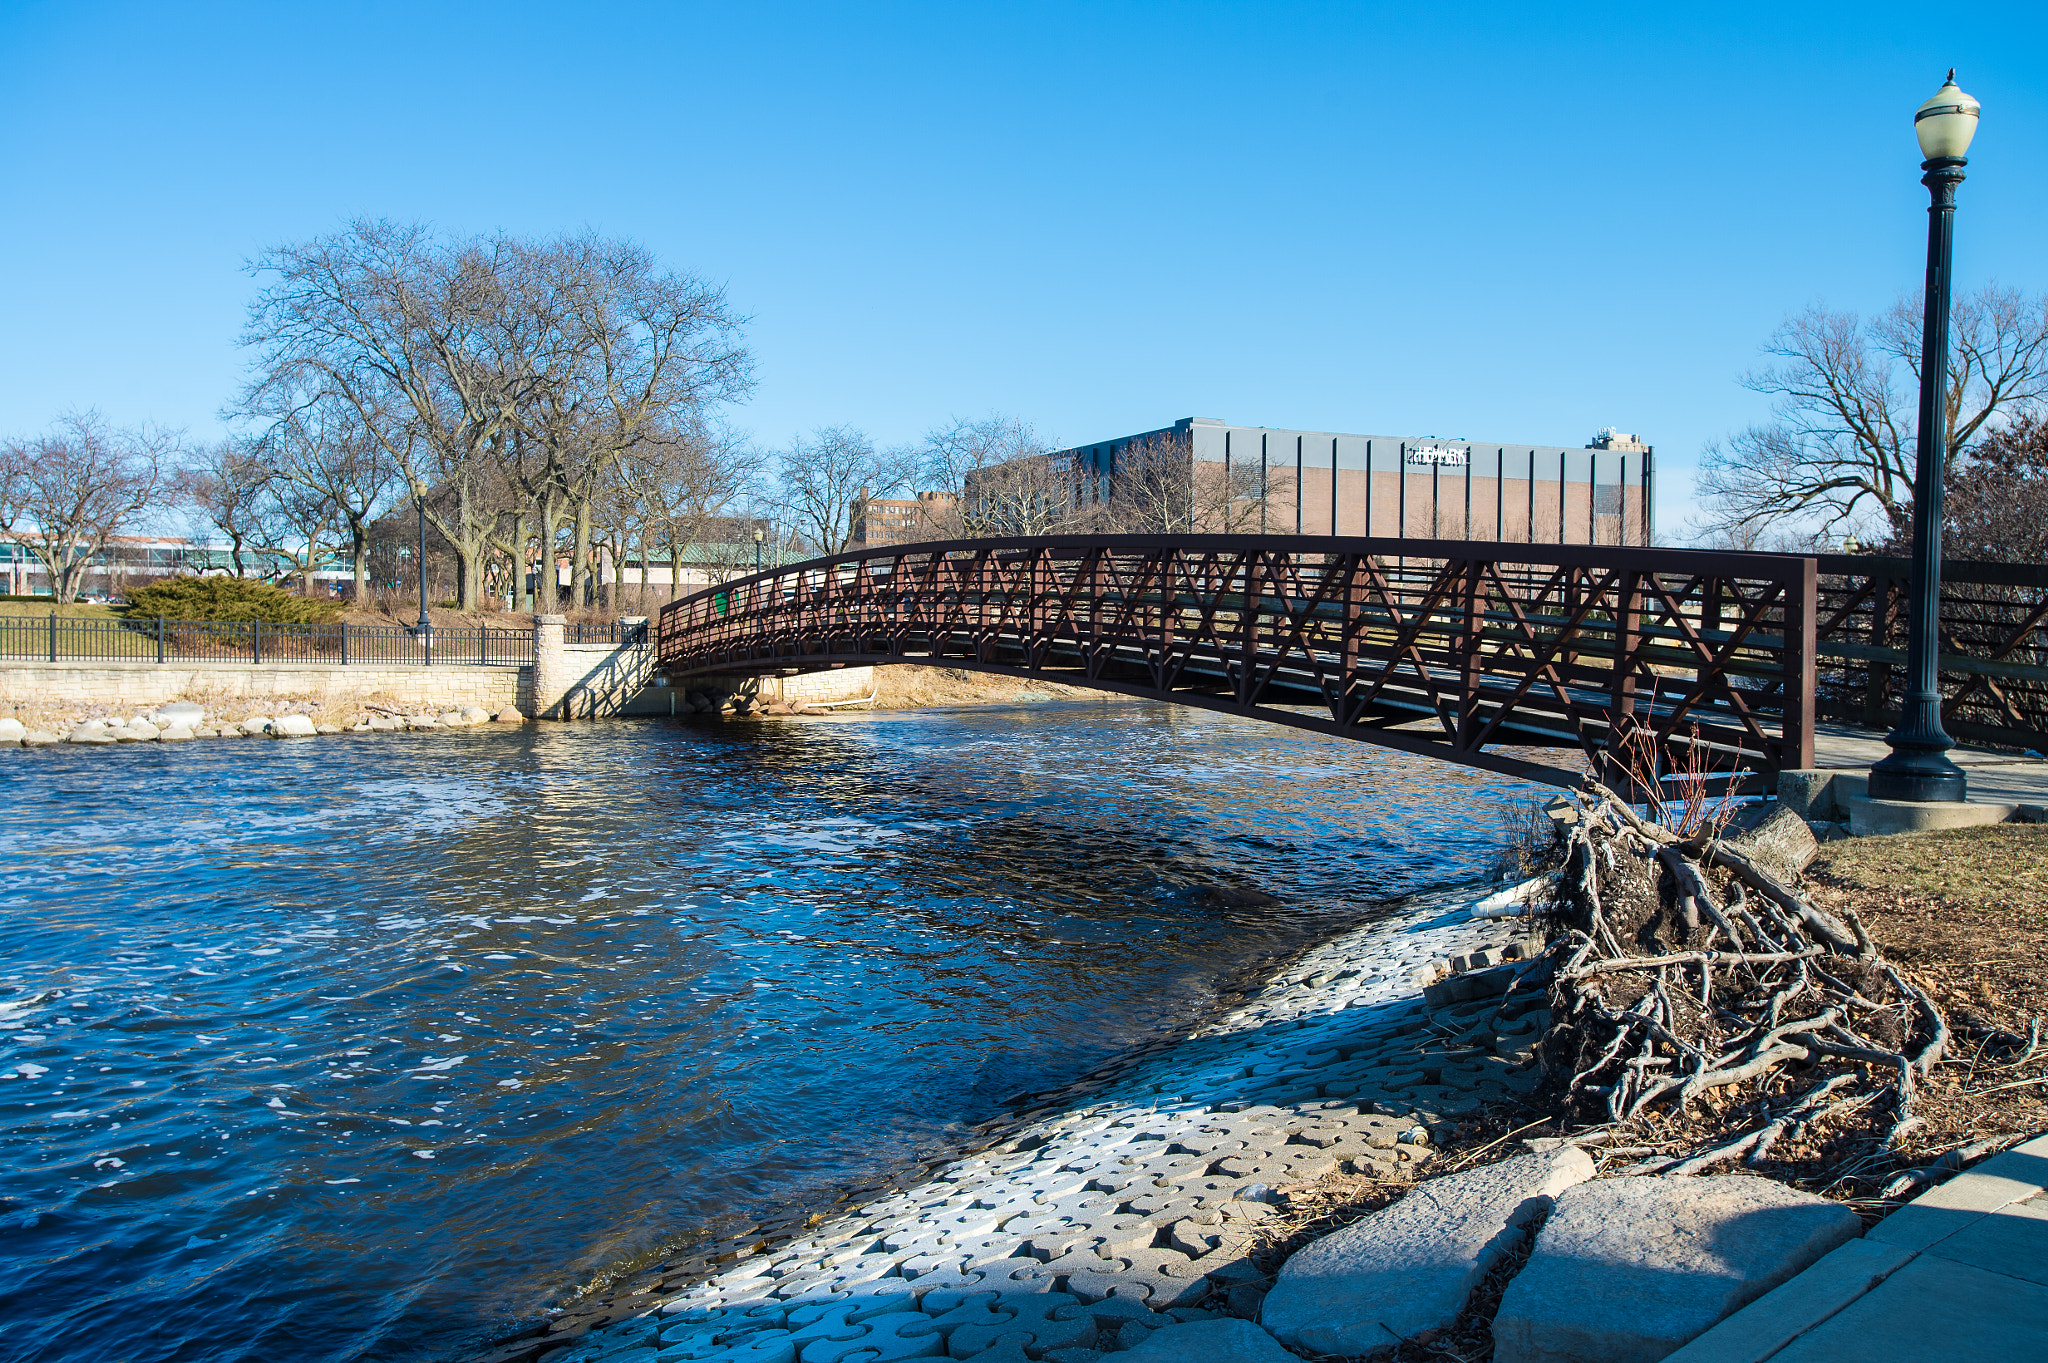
[
  {"x": 425, "y": 627},
  {"x": 1919, "y": 769},
  {"x": 757, "y": 548}
]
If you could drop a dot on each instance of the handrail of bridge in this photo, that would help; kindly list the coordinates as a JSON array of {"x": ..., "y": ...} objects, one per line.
[
  {"x": 1493, "y": 646},
  {"x": 1993, "y": 658}
]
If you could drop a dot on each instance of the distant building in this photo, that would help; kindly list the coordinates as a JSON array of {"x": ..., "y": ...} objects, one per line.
[
  {"x": 882, "y": 521},
  {"x": 126, "y": 559},
  {"x": 1412, "y": 487}
]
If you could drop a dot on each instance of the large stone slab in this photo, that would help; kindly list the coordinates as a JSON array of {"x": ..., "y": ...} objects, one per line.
[
  {"x": 1627, "y": 1270},
  {"x": 1209, "y": 1341},
  {"x": 1411, "y": 1267}
]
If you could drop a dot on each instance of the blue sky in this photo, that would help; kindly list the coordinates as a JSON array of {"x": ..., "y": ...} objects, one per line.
[{"x": 1508, "y": 222}]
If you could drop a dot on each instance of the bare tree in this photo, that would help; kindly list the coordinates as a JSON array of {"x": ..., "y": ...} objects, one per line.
[
  {"x": 1157, "y": 487},
  {"x": 619, "y": 351},
  {"x": 401, "y": 328},
  {"x": 307, "y": 532},
  {"x": 997, "y": 477},
  {"x": 1996, "y": 507},
  {"x": 225, "y": 482},
  {"x": 1840, "y": 447},
  {"x": 80, "y": 485},
  {"x": 331, "y": 472},
  {"x": 821, "y": 478},
  {"x": 678, "y": 487}
]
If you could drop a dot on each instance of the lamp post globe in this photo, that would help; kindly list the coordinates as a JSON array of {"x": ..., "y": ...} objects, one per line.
[
  {"x": 1946, "y": 122},
  {"x": 1918, "y": 768}
]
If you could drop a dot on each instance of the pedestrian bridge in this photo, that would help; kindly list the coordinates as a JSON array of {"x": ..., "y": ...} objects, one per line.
[
  {"x": 1470, "y": 652},
  {"x": 1549, "y": 662}
]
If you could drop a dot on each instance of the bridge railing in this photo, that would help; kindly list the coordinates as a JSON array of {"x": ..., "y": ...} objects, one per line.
[
  {"x": 1993, "y": 658},
  {"x": 1700, "y": 656}
]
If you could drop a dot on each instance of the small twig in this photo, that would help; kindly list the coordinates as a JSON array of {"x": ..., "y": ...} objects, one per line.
[
  {"x": 2015, "y": 1084},
  {"x": 1692, "y": 958},
  {"x": 1957, "y": 1159},
  {"x": 1466, "y": 1158}
]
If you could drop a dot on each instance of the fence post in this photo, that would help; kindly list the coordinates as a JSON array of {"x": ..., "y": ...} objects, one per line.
[
  {"x": 53, "y": 636},
  {"x": 344, "y": 643},
  {"x": 1802, "y": 600},
  {"x": 159, "y": 638},
  {"x": 480, "y": 640},
  {"x": 255, "y": 641}
]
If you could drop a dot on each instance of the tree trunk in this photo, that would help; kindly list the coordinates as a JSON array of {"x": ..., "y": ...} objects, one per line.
[
  {"x": 675, "y": 563},
  {"x": 544, "y": 600},
  {"x": 610, "y": 591},
  {"x": 359, "y": 546},
  {"x": 522, "y": 588},
  {"x": 579, "y": 559}
]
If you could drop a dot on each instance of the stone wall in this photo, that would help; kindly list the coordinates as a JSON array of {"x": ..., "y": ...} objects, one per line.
[
  {"x": 813, "y": 688},
  {"x": 135, "y": 685},
  {"x": 564, "y": 681}
]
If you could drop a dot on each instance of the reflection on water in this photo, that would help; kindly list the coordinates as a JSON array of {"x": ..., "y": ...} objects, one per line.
[{"x": 362, "y": 1048}]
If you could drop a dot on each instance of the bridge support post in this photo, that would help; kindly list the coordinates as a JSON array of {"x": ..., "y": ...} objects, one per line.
[{"x": 551, "y": 679}]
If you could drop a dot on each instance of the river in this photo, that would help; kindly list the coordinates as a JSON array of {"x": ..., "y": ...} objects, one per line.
[{"x": 360, "y": 1048}]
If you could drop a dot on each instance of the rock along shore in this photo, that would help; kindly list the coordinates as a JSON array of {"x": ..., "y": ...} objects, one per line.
[{"x": 1126, "y": 1221}]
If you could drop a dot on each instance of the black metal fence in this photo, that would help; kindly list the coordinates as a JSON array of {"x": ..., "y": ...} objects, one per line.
[
  {"x": 613, "y": 632},
  {"x": 58, "y": 639}
]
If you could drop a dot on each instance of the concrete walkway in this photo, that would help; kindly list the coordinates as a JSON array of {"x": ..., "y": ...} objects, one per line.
[
  {"x": 1958, "y": 1275},
  {"x": 1995, "y": 777}
]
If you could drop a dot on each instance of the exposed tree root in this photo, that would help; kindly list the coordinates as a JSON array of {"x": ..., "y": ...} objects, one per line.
[{"x": 1706, "y": 1012}]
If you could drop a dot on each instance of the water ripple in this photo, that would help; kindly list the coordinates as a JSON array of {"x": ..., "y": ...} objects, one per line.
[{"x": 360, "y": 1049}]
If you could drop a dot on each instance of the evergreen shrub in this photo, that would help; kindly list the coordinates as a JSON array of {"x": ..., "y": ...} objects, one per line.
[{"x": 226, "y": 599}]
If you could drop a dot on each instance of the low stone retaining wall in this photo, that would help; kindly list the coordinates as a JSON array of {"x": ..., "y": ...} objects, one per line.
[{"x": 145, "y": 685}]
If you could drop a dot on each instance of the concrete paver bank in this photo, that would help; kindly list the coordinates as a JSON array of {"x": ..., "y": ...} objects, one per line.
[{"x": 1124, "y": 1224}]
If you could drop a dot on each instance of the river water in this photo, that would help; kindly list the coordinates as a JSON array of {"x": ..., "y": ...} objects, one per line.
[{"x": 361, "y": 1048}]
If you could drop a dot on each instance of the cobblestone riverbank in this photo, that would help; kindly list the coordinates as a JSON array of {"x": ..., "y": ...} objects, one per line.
[{"x": 1124, "y": 1217}]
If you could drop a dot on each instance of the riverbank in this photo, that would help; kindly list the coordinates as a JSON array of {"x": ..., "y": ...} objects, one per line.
[
  {"x": 211, "y": 712},
  {"x": 1140, "y": 1198},
  {"x": 1179, "y": 1186}
]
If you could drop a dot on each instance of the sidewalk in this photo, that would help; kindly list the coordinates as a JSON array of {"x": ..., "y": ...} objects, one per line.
[
  {"x": 1957, "y": 1275},
  {"x": 1995, "y": 777}
]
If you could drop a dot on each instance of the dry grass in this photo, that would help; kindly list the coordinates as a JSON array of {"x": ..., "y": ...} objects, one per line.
[
  {"x": 1966, "y": 911},
  {"x": 40, "y": 610},
  {"x": 1997, "y": 877}
]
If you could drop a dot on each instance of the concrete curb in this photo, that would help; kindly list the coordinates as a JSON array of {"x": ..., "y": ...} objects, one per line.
[{"x": 1960, "y": 1272}]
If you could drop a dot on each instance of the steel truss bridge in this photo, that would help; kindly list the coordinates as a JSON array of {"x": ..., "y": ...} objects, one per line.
[{"x": 1450, "y": 649}]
